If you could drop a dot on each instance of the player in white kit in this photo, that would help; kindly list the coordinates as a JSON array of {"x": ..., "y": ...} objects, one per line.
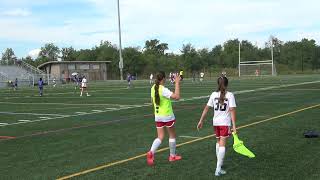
[
  {"x": 201, "y": 76},
  {"x": 84, "y": 86},
  {"x": 151, "y": 79},
  {"x": 223, "y": 104}
]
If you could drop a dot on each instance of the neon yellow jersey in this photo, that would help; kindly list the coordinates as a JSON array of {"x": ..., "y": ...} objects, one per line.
[
  {"x": 181, "y": 73},
  {"x": 164, "y": 111}
]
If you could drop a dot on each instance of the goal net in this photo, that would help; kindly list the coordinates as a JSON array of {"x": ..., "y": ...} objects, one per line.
[{"x": 257, "y": 68}]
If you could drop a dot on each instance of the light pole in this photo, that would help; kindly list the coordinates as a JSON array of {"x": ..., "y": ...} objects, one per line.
[
  {"x": 120, "y": 45},
  {"x": 272, "y": 56},
  {"x": 239, "y": 57}
]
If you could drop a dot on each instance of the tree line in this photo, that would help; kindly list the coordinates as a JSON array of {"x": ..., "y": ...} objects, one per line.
[{"x": 291, "y": 56}]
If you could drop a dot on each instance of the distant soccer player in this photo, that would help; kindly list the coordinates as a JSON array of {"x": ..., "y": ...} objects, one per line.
[
  {"x": 54, "y": 82},
  {"x": 16, "y": 84},
  {"x": 129, "y": 78},
  {"x": 151, "y": 79},
  {"x": 224, "y": 74},
  {"x": 193, "y": 77},
  {"x": 172, "y": 76},
  {"x": 257, "y": 72},
  {"x": 40, "y": 85},
  {"x": 224, "y": 104},
  {"x": 201, "y": 76},
  {"x": 181, "y": 74},
  {"x": 84, "y": 86},
  {"x": 164, "y": 116}
]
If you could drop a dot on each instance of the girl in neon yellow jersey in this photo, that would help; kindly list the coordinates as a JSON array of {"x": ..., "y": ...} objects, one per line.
[{"x": 164, "y": 116}]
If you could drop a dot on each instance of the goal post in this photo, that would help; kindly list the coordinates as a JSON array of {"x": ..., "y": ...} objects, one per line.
[{"x": 256, "y": 68}]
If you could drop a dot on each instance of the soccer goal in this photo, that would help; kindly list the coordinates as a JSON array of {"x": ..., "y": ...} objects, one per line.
[{"x": 256, "y": 68}]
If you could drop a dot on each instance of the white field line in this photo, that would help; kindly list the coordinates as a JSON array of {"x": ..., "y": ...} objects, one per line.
[
  {"x": 107, "y": 90},
  {"x": 54, "y": 97},
  {"x": 304, "y": 89},
  {"x": 52, "y": 109},
  {"x": 80, "y": 112},
  {"x": 96, "y": 110},
  {"x": 1, "y": 124},
  {"x": 78, "y": 91},
  {"x": 145, "y": 105},
  {"x": 35, "y": 114},
  {"x": 68, "y": 104},
  {"x": 24, "y": 120},
  {"x": 112, "y": 108}
]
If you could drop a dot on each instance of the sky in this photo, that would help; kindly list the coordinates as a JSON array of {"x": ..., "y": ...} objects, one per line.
[{"x": 27, "y": 25}]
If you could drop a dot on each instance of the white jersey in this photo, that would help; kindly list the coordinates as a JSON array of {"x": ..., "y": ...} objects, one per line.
[
  {"x": 222, "y": 115},
  {"x": 84, "y": 82},
  {"x": 151, "y": 76},
  {"x": 201, "y": 75}
]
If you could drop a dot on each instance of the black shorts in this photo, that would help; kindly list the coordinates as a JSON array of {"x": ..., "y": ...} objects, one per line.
[{"x": 181, "y": 76}]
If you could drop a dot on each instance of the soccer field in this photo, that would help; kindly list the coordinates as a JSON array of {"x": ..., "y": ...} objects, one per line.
[{"x": 106, "y": 135}]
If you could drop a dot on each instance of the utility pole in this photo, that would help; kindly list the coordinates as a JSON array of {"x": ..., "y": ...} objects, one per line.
[
  {"x": 239, "y": 57},
  {"x": 120, "y": 45},
  {"x": 272, "y": 56}
]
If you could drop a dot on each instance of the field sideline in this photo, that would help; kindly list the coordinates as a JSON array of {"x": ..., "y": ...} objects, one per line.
[{"x": 107, "y": 134}]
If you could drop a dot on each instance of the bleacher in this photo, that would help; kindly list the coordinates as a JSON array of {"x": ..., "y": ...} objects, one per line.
[{"x": 27, "y": 75}]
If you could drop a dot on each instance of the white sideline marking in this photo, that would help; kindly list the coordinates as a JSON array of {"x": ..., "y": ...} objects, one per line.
[
  {"x": 189, "y": 99},
  {"x": 109, "y": 90},
  {"x": 80, "y": 112},
  {"x": 112, "y": 108},
  {"x": 190, "y": 137},
  {"x": 3, "y": 123},
  {"x": 43, "y": 117},
  {"x": 67, "y": 104},
  {"x": 24, "y": 120},
  {"x": 36, "y": 114},
  {"x": 97, "y": 110}
]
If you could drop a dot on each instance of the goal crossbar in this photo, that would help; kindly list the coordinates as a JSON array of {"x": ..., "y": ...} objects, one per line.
[
  {"x": 254, "y": 64},
  {"x": 258, "y": 62}
]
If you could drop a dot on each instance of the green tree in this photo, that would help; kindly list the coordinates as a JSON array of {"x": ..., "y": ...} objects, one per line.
[
  {"x": 155, "y": 47},
  {"x": 215, "y": 57},
  {"x": 30, "y": 61},
  {"x": 8, "y": 56},
  {"x": 191, "y": 58},
  {"x": 230, "y": 54},
  {"x": 68, "y": 54},
  {"x": 134, "y": 62},
  {"x": 49, "y": 52}
]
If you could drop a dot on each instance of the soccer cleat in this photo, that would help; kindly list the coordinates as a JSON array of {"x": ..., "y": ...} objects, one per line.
[
  {"x": 150, "y": 158},
  {"x": 174, "y": 158},
  {"x": 221, "y": 172}
]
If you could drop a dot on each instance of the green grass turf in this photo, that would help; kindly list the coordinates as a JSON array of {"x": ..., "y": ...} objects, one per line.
[{"x": 65, "y": 145}]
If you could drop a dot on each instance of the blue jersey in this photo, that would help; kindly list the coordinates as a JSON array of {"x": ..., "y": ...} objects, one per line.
[{"x": 40, "y": 83}]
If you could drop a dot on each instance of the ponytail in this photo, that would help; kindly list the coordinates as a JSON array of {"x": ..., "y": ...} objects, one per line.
[
  {"x": 222, "y": 88},
  {"x": 156, "y": 92},
  {"x": 160, "y": 76}
]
